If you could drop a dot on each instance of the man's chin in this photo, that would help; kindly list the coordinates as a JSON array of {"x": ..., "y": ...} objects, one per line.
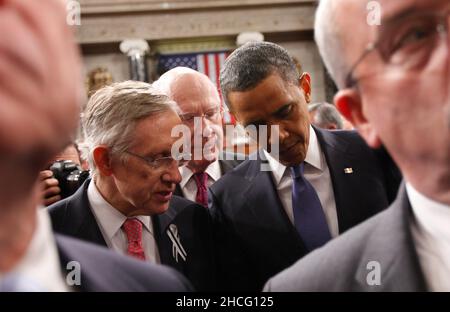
[
  {"x": 289, "y": 162},
  {"x": 160, "y": 208}
]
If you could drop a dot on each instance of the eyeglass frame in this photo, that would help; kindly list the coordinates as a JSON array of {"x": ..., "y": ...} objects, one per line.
[
  {"x": 151, "y": 162},
  {"x": 217, "y": 110},
  {"x": 350, "y": 81}
]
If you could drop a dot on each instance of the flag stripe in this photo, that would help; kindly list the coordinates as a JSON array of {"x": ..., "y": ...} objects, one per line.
[{"x": 206, "y": 63}]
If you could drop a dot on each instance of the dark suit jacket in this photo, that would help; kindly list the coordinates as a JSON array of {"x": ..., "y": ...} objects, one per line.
[
  {"x": 254, "y": 237},
  {"x": 227, "y": 162},
  {"x": 342, "y": 265},
  {"x": 73, "y": 217},
  {"x": 104, "y": 270}
]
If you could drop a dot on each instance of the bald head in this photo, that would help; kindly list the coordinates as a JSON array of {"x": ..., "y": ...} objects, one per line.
[
  {"x": 396, "y": 66},
  {"x": 196, "y": 96},
  {"x": 341, "y": 33},
  {"x": 188, "y": 88}
]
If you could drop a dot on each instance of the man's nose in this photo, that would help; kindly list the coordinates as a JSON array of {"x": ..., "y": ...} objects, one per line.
[
  {"x": 275, "y": 131},
  {"x": 172, "y": 174}
]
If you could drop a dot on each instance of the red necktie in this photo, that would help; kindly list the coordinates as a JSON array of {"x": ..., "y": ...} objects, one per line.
[
  {"x": 202, "y": 191},
  {"x": 133, "y": 230}
]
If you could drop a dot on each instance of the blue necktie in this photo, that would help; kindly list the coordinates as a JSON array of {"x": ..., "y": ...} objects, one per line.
[{"x": 309, "y": 218}]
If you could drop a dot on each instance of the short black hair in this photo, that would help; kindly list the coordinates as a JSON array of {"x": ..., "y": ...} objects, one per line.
[{"x": 253, "y": 62}]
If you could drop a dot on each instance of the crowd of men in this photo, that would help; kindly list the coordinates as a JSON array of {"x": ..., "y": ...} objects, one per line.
[{"x": 313, "y": 214}]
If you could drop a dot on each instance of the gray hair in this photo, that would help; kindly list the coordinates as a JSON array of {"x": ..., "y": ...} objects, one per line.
[
  {"x": 326, "y": 114},
  {"x": 112, "y": 113},
  {"x": 329, "y": 41},
  {"x": 253, "y": 62}
]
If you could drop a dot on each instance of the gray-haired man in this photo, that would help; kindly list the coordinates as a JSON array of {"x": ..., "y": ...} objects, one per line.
[
  {"x": 325, "y": 116},
  {"x": 394, "y": 86},
  {"x": 201, "y": 111},
  {"x": 129, "y": 205}
]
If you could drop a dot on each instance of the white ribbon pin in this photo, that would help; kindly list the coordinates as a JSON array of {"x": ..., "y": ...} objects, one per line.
[{"x": 177, "y": 247}]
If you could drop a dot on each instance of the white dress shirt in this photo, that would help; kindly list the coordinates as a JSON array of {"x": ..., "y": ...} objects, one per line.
[
  {"x": 188, "y": 185},
  {"x": 430, "y": 227},
  {"x": 40, "y": 266},
  {"x": 317, "y": 173},
  {"x": 110, "y": 221}
]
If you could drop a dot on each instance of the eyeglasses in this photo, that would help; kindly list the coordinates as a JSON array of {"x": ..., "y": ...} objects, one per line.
[
  {"x": 407, "y": 42},
  {"x": 164, "y": 162},
  {"x": 211, "y": 115}
]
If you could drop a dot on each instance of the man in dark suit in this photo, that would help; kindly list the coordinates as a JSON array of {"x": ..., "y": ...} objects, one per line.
[
  {"x": 74, "y": 217},
  {"x": 129, "y": 205},
  {"x": 383, "y": 90},
  {"x": 270, "y": 211},
  {"x": 201, "y": 111},
  {"x": 36, "y": 122}
]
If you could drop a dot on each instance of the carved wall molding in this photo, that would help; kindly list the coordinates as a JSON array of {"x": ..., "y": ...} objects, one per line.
[
  {"x": 152, "y": 25},
  {"x": 193, "y": 45},
  {"x": 122, "y": 6}
]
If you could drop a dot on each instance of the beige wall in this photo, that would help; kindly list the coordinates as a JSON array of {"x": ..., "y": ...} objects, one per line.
[{"x": 188, "y": 26}]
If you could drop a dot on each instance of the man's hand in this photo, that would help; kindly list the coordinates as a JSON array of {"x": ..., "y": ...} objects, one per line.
[{"x": 49, "y": 188}]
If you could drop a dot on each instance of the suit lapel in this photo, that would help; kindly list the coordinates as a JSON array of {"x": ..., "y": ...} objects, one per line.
[
  {"x": 392, "y": 246},
  {"x": 178, "y": 191},
  {"x": 225, "y": 166},
  {"x": 160, "y": 225},
  {"x": 81, "y": 220},
  {"x": 339, "y": 157},
  {"x": 262, "y": 200}
]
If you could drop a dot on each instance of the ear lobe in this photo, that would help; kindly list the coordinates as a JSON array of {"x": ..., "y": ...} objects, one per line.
[
  {"x": 102, "y": 160},
  {"x": 349, "y": 104},
  {"x": 305, "y": 84}
]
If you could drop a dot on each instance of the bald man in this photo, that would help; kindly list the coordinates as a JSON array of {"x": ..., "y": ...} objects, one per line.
[
  {"x": 201, "y": 111},
  {"x": 393, "y": 82}
]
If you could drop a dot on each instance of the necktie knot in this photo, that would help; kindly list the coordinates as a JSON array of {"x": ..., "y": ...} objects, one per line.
[
  {"x": 297, "y": 170},
  {"x": 201, "y": 179}
]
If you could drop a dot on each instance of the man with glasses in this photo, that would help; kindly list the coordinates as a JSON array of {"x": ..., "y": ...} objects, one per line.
[
  {"x": 394, "y": 87},
  {"x": 201, "y": 111},
  {"x": 129, "y": 205}
]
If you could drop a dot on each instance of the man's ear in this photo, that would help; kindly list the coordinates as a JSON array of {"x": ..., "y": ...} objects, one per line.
[
  {"x": 348, "y": 102},
  {"x": 103, "y": 160},
  {"x": 305, "y": 84}
]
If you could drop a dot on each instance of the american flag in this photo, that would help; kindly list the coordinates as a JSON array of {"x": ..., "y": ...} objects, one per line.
[{"x": 208, "y": 63}]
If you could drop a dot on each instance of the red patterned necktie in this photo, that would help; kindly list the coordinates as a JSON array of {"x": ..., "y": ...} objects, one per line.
[
  {"x": 201, "y": 179},
  {"x": 133, "y": 229}
]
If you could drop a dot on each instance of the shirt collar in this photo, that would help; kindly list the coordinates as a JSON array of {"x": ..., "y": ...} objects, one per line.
[
  {"x": 213, "y": 171},
  {"x": 313, "y": 158},
  {"x": 41, "y": 263},
  {"x": 432, "y": 217},
  {"x": 110, "y": 219}
]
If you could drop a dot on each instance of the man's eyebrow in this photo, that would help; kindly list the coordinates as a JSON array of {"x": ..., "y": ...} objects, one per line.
[
  {"x": 278, "y": 111},
  {"x": 399, "y": 14}
]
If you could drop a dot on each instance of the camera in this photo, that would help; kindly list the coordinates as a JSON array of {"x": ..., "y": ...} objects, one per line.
[{"x": 70, "y": 176}]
